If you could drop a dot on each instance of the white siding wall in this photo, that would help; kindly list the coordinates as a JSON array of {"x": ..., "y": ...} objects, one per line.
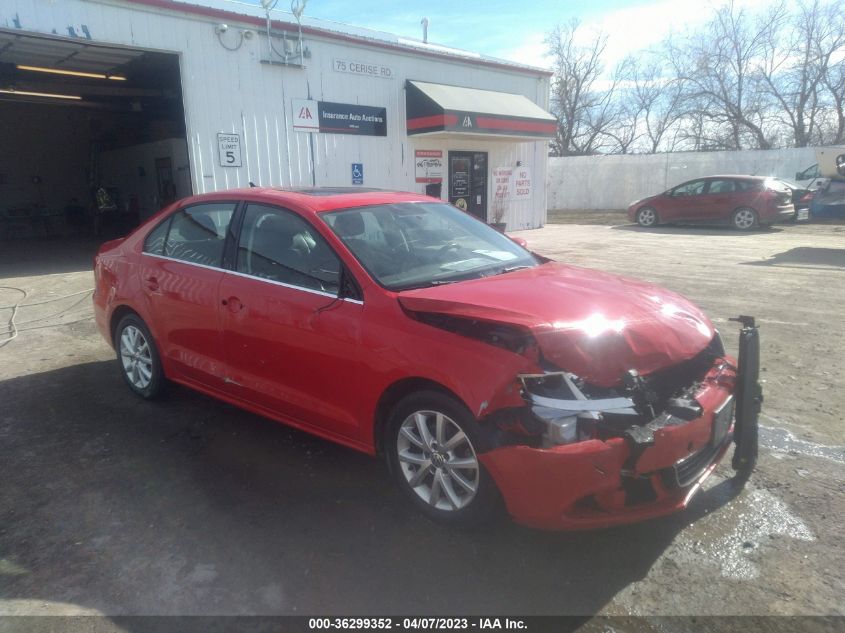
[
  {"x": 614, "y": 182},
  {"x": 228, "y": 91}
]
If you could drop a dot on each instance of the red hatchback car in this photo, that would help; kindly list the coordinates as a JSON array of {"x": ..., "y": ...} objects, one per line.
[
  {"x": 401, "y": 326},
  {"x": 745, "y": 202}
]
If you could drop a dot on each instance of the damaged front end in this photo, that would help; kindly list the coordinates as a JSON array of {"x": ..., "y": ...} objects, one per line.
[{"x": 593, "y": 456}]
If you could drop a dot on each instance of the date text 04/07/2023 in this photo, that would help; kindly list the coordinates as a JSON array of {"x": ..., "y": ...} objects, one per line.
[{"x": 416, "y": 623}]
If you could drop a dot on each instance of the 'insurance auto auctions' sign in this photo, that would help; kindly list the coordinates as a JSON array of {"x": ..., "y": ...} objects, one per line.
[{"x": 338, "y": 118}]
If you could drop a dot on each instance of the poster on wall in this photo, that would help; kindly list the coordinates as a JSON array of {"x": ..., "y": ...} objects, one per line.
[
  {"x": 338, "y": 118},
  {"x": 521, "y": 183},
  {"x": 502, "y": 183},
  {"x": 428, "y": 165}
]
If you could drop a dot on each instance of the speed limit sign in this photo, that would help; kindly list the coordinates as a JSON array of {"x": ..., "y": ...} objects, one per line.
[{"x": 229, "y": 148}]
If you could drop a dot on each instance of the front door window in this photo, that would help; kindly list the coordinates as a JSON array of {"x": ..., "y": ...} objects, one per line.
[{"x": 468, "y": 182}]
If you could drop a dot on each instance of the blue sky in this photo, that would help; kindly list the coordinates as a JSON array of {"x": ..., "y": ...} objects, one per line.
[{"x": 515, "y": 29}]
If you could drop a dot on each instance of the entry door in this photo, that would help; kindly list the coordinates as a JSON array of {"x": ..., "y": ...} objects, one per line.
[
  {"x": 718, "y": 200},
  {"x": 292, "y": 346},
  {"x": 687, "y": 201},
  {"x": 181, "y": 270},
  {"x": 468, "y": 182}
]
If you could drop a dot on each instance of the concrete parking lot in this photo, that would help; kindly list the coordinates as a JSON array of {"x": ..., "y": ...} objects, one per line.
[{"x": 112, "y": 505}]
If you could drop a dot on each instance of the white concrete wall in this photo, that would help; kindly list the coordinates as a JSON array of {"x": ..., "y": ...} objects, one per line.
[
  {"x": 613, "y": 182},
  {"x": 231, "y": 91}
]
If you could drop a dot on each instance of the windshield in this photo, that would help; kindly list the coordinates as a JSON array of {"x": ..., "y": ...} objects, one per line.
[{"x": 418, "y": 244}]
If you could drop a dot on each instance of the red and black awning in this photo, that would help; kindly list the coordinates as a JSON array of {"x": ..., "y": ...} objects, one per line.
[{"x": 437, "y": 109}]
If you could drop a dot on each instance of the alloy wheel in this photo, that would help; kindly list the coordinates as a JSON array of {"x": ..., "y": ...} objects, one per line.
[
  {"x": 438, "y": 460},
  {"x": 646, "y": 217},
  {"x": 744, "y": 219},
  {"x": 136, "y": 357}
]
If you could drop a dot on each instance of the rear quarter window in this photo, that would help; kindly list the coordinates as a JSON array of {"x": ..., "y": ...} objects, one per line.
[{"x": 154, "y": 244}]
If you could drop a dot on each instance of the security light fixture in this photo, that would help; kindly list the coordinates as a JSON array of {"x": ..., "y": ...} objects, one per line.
[
  {"x": 47, "y": 95},
  {"x": 72, "y": 73}
]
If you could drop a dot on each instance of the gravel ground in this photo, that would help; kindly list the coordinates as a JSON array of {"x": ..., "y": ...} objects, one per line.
[{"x": 110, "y": 505}]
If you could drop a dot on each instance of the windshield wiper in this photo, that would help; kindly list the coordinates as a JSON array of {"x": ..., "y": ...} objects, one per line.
[
  {"x": 428, "y": 284},
  {"x": 510, "y": 269}
]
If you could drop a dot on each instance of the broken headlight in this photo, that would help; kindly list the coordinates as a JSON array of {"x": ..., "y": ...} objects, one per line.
[{"x": 558, "y": 399}]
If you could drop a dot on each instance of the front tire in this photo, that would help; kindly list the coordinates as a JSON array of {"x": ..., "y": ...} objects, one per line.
[
  {"x": 646, "y": 217},
  {"x": 432, "y": 446},
  {"x": 137, "y": 357},
  {"x": 744, "y": 219}
]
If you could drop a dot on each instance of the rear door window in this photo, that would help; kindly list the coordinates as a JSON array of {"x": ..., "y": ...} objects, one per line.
[{"x": 721, "y": 186}]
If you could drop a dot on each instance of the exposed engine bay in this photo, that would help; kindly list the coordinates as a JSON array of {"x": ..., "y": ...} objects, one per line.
[{"x": 565, "y": 408}]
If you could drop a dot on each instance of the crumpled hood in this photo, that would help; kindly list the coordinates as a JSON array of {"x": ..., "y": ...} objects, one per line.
[{"x": 593, "y": 324}]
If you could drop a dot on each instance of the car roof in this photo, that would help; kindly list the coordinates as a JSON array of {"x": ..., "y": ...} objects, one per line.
[
  {"x": 737, "y": 177},
  {"x": 313, "y": 199}
]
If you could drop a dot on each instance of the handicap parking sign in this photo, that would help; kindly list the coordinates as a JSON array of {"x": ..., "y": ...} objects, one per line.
[{"x": 357, "y": 173}]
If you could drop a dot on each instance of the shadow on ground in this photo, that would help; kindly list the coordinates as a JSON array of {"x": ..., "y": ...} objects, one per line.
[
  {"x": 805, "y": 257},
  {"x": 190, "y": 506}
]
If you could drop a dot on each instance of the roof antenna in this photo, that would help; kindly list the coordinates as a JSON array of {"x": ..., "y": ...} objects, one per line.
[
  {"x": 424, "y": 23},
  {"x": 251, "y": 184}
]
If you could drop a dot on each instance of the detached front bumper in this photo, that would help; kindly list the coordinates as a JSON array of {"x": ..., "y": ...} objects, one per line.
[{"x": 599, "y": 483}]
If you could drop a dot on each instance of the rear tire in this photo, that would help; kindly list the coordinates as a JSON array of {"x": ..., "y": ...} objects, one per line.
[
  {"x": 138, "y": 358},
  {"x": 432, "y": 445},
  {"x": 744, "y": 219},
  {"x": 647, "y": 217}
]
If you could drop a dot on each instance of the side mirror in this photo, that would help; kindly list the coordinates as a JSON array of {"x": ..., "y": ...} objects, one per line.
[{"x": 520, "y": 241}]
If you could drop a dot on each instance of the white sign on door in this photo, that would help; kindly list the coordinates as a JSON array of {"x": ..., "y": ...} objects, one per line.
[
  {"x": 306, "y": 115},
  {"x": 229, "y": 149}
]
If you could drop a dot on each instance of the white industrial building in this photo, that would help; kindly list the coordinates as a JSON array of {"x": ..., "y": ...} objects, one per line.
[{"x": 119, "y": 106}]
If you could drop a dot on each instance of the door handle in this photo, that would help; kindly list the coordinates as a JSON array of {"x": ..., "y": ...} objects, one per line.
[{"x": 152, "y": 283}]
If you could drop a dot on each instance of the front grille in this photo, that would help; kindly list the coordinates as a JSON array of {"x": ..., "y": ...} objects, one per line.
[{"x": 689, "y": 469}]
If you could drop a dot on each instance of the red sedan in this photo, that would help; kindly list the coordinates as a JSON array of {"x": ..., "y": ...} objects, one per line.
[
  {"x": 400, "y": 326},
  {"x": 745, "y": 202}
]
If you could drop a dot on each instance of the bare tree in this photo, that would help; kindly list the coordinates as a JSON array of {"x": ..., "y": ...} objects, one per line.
[
  {"x": 742, "y": 80},
  {"x": 583, "y": 107},
  {"x": 655, "y": 97},
  {"x": 795, "y": 63},
  {"x": 834, "y": 81},
  {"x": 717, "y": 67}
]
